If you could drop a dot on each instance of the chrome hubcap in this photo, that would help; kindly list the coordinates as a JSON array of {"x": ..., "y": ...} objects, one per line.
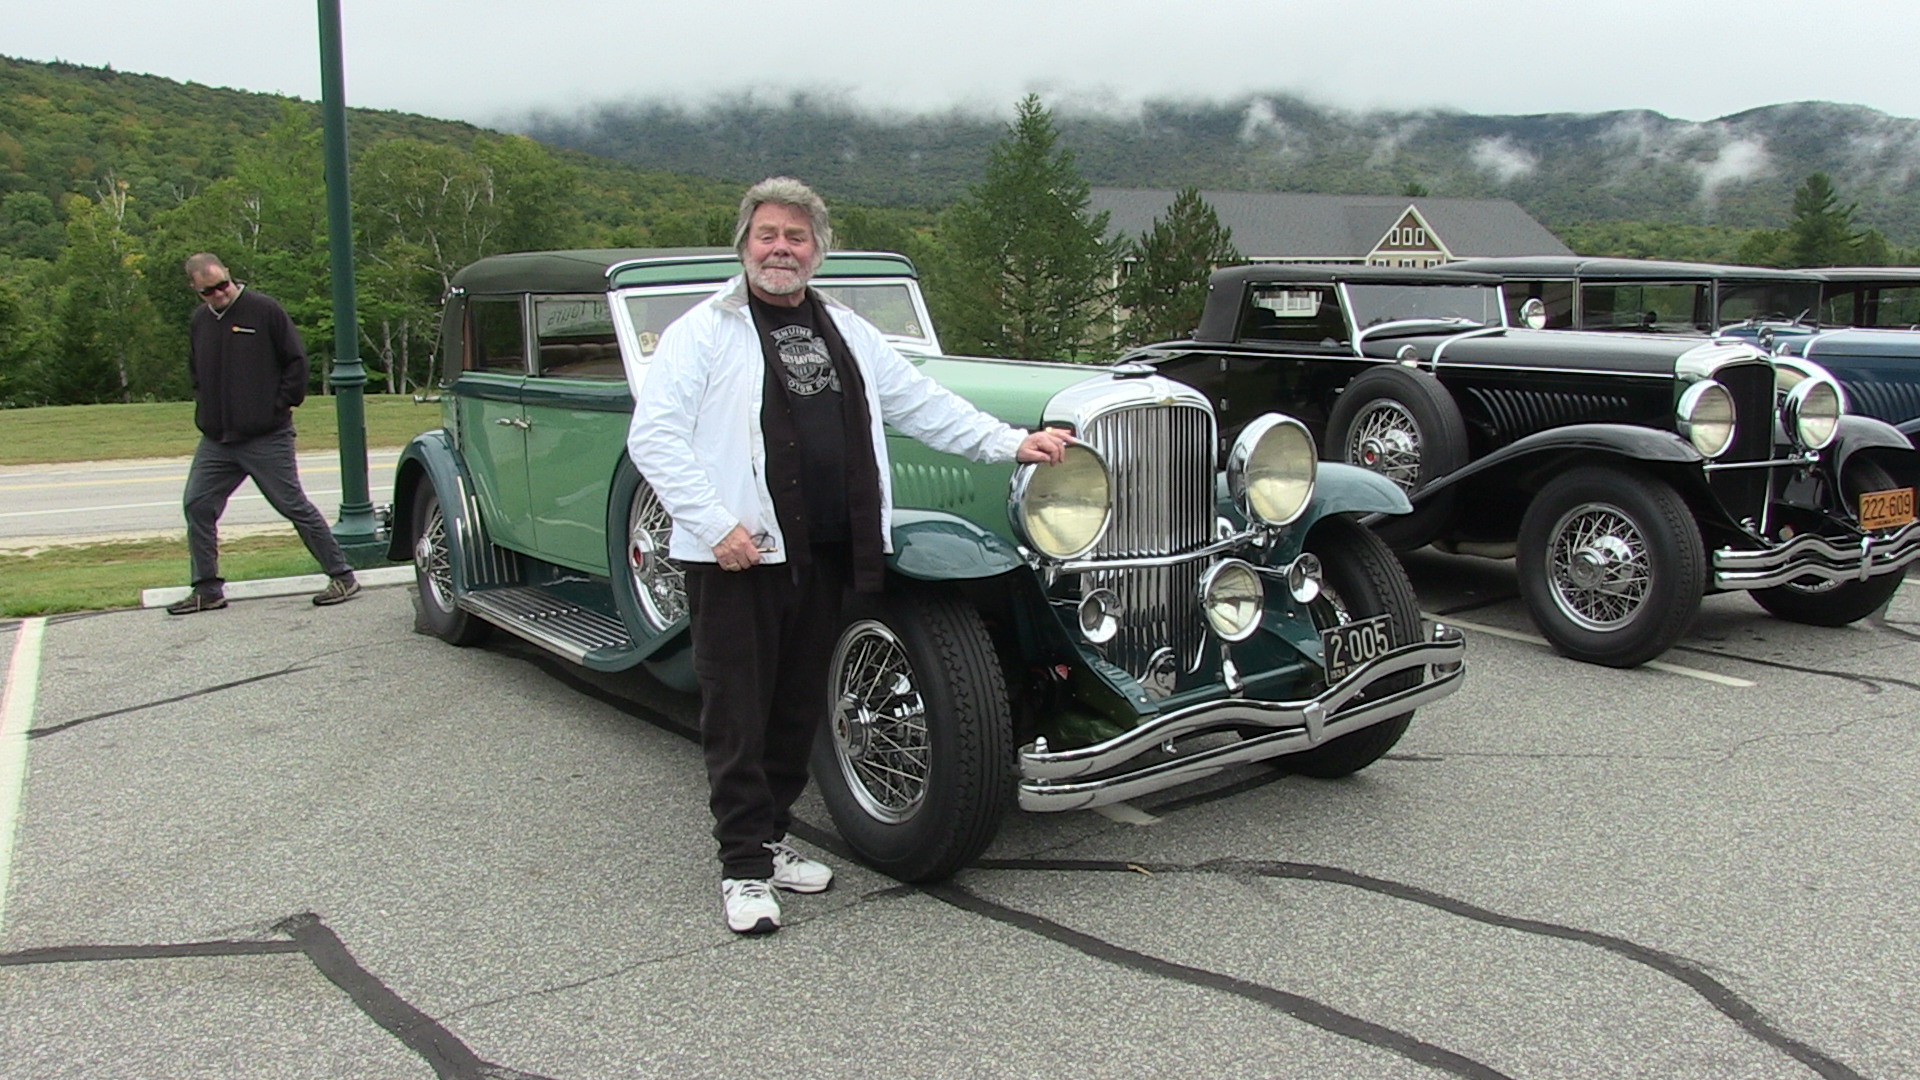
[
  {"x": 658, "y": 582},
  {"x": 1598, "y": 567},
  {"x": 879, "y": 723}
]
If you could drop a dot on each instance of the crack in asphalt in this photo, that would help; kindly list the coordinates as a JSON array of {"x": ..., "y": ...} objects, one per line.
[
  {"x": 306, "y": 934},
  {"x": 1872, "y": 682},
  {"x": 68, "y": 725},
  {"x": 1689, "y": 973}
]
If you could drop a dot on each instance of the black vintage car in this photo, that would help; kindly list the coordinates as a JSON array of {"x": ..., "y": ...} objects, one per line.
[
  {"x": 1645, "y": 295},
  {"x": 1627, "y": 474},
  {"x": 1870, "y": 297}
]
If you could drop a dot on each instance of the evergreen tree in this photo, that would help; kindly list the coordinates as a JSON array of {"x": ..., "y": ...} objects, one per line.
[
  {"x": 1822, "y": 232},
  {"x": 1025, "y": 268},
  {"x": 1166, "y": 288}
]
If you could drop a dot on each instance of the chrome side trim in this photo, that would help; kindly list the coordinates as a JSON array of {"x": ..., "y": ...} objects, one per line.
[
  {"x": 1810, "y": 556},
  {"x": 1049, "y": 779}
]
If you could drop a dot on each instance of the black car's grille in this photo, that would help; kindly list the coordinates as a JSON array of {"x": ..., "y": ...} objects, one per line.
[
  {"x": 1161, "y": 458},
  {"x": 1515, "y": 414},
  {"x": 1743, "y": 492}
]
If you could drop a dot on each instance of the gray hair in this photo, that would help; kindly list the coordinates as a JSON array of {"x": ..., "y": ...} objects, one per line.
[
  {"x": 784, "y": 191},
  {"x": 202, "y": 261}
]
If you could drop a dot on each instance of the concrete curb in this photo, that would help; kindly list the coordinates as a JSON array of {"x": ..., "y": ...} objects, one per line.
[{"x": 286, "y": 586}]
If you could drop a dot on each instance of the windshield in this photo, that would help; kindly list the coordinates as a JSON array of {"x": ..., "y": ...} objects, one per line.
[
  {"x": 1777, "y": 300},
  {"x": 1376, "y": 304},
  {"x": 888, "y": 306},
  {"x": 1655, "y": 306}
]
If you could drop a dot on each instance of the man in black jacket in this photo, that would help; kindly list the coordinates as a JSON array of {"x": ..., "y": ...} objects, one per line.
[{"x": 249, "y": 370}]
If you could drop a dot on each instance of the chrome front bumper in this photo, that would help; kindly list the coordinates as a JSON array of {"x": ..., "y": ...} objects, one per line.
[
  {"x": 1810, "y": 556},
  {"x": 1056, "y": 780}
]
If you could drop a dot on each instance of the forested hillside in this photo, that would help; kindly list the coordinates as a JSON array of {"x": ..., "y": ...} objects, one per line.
[{"x": 1738, "y": 171}]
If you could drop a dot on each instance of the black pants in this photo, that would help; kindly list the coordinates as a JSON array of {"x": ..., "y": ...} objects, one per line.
[
  {"x": 762, "y": 640},
  {"x": 218, "y": 468}
]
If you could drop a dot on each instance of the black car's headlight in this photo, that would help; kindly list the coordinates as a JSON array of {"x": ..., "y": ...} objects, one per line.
[
  {"x": 1271, "y": 471},
  {"x": 1706, "y": 417},
  {"x": 1812, "y": 411},
  {"x": 1232, "y": 598},
  {"x": 1062, "y": 510}
]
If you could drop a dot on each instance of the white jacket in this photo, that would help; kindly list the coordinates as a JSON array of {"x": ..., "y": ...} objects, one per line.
[{"x": 696, "y": 433}]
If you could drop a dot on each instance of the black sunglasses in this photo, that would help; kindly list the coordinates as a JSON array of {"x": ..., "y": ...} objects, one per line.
[{"x": 216, "y": 287}]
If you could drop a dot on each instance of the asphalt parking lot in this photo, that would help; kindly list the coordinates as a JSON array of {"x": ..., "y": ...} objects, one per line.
[{"x": 280, "y": 841}]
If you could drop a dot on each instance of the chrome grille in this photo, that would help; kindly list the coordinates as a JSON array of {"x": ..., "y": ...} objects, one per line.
[{"x": 1161, "y": 459}]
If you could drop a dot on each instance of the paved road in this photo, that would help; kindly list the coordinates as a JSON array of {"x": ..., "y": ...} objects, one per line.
[
  {"x": 284, "y": 842},
  {"x": 59, "y": 503}
]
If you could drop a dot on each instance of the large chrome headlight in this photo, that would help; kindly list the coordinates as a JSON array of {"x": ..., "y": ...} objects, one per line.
[
  {"x": 1232, "y": 598},
  {"x": 1271, "y": 470},
  {"x": 1812, "y": 412},
  {"x": 1062, "y": 510},
  {"x": 1706, "y": 417}
]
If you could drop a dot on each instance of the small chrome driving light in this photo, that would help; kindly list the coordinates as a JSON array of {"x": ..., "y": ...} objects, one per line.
[
  {"x": 1271, "y": 471},
  {"x": 1706, "y": 417},
  {"x": 1099, "y": 616},
  {"x": 1232, "y": 598},
  {"x": 1303, "y": 578},
  {"x": 1062, "y": 510},
  {"x": 1812, "y": 412}
]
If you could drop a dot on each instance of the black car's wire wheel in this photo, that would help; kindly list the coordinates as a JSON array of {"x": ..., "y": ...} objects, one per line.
[
  {"x": 1360, "y": 579},
  {"x": 436, "y": 610},
  {"x": 1611, "y": 565},
  {"x": 1837, "y": 603},
  {"x": 1404, "y": 425},
  {"x": 915, "y": 759}
]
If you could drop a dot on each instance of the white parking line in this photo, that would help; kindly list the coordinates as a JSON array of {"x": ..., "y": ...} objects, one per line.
[
  {"x": 16, "y": 713},
  {"x": 1657, "y": 665}
]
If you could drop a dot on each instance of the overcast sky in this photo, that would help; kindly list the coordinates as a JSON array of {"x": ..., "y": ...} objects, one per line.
[{"x": 492, "y": 61}]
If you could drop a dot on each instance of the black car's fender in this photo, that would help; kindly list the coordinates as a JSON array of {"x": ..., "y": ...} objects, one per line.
[
  {"x": 1895, "y": 446},
  {"x": 1650, "y": 446}
]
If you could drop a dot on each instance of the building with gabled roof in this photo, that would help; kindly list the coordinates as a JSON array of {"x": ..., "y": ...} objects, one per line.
[{"x": 1367, "y": 230}]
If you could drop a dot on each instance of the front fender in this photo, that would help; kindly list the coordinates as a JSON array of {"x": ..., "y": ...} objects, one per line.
[
  {"x": 1645, "y": 444},
  {"x": 428, "y": 458},
  {"x": 1859, "y": 433},
  {"x": 929, "y": 545}
]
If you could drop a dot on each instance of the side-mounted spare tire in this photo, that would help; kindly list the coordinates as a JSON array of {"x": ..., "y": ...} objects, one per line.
[
  {"x": 915, "y": 761},
  {"x": 1402, "y": 424}
]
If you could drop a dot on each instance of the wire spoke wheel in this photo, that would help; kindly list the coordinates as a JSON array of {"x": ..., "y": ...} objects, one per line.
[
  {"x": 1385, "y": 438},
  {"x": 659, "y": 583},
  {"x": 433, "y": 561},
  {"x": 1600, "y": 569},
  {"x": 879, "y": 723}
]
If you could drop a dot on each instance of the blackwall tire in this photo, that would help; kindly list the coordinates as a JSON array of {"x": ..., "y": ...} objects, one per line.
[
  {"x": 1360, "y": 579},
  {"x": 435, "y": 611},
  {"x": 1837, "y": 603},
  {"x": 1404, "y": 425},
  {"x": 915, "y": 761},
  {"x": 1611, "y": 565}
]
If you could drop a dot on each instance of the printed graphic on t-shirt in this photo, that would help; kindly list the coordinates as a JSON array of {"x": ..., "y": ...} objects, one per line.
[{"x": 809, "y": 368}]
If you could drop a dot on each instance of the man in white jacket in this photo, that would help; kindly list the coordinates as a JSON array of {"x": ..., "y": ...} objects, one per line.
[{"x": 760, "y": 423}]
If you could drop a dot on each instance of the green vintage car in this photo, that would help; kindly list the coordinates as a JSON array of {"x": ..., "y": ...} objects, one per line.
[{"x": 1053, "y": 637}]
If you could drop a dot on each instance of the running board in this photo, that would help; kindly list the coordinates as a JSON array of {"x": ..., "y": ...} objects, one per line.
[{"x": 555, "y": 624}]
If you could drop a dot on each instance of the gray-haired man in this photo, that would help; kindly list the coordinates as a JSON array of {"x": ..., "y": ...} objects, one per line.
[{"x": 760, "y": 425}]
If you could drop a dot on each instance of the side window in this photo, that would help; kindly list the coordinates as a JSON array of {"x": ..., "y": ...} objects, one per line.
[
  {"x": 1897, "y": 306},
  {"x": 496, "y": 337},
  {"x": 576, "y": 338},
  {"x": 1295, "y": 314},
  {"x": 1644, "y": 306},
  {"x": 1557, "y": 295}
]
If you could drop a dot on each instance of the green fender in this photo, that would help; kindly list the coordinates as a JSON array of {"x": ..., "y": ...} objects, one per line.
[
  {"x": 428, "y": 459},
  {"x": 929, "y": 545},
  {"x": 1338, "y": 489}
]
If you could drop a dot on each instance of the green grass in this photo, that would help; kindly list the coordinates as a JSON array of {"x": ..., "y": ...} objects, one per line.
[
  {"x": 60, "y": 433},
  {"x": 111, "y": 575}
]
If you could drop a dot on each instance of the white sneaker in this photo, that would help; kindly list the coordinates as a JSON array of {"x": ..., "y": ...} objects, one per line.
[
  {"x": 795, "y": 872},
  {"x": 751, "y": 908}
]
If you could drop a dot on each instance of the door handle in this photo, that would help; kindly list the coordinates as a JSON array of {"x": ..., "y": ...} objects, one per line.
[{"x": 513, "y": 421}]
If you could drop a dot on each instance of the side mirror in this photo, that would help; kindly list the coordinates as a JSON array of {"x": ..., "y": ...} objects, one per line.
[{"x": 1533, "y": 313}]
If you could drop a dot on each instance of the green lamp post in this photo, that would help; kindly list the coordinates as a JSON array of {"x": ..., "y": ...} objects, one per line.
[{"x": 356, "y": 530}]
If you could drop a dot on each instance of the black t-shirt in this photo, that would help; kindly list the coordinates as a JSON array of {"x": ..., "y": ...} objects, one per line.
[{"x": 815, "y": 400}]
